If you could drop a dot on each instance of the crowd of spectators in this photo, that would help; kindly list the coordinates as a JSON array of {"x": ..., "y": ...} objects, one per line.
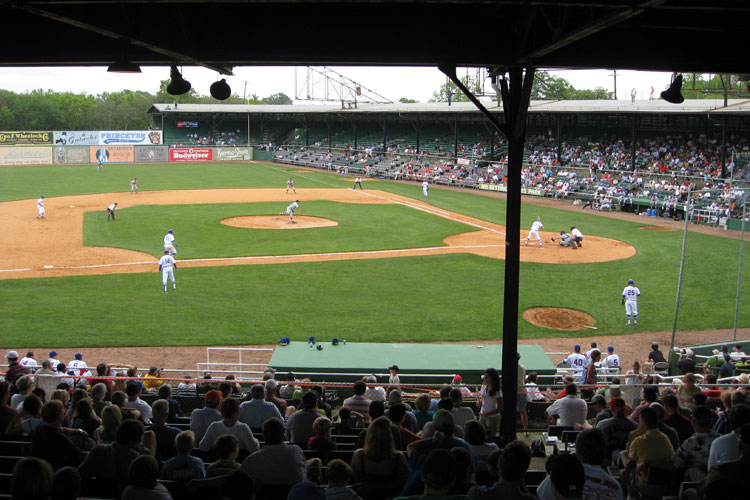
[{"x": 284, "y": 438}]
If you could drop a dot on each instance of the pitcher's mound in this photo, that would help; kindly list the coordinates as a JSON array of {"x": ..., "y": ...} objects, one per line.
[
  {"x": 558, "y": 318},
  {"x": 278, "y": 222}
]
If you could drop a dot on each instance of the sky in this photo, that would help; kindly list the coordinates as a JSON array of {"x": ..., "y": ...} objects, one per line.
[{"x": 390, "y": 82}]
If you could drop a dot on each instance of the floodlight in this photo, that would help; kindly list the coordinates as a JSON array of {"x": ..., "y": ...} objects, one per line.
[
  {"x": 178, "y": 85},
  {"x": 220, "y": 90},
  {"x": 673, "y": 94}
]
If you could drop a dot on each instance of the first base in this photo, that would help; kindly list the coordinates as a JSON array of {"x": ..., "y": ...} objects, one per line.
[{"x": 48, "y": 267}]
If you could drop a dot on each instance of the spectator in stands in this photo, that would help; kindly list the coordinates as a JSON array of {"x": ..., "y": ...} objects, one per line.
[
  {"x": 686, "y": 363},
  {"x": 165, "y": 434},
  {"x": 419, "y": 450},
  {"x": 75, "y": 396},
  {"x": 691, "y": 458},
  {"x": 374, "y": 392},
  {"x": 62, "y": 373},
  {"x": 299, "y": 427},
  {"x": 687, "y": 390},
  {"x": 51, "y": 440},
  {"x": 571, "y": 409},
  {"x": 668, "y": 431},
  {"x": 410, "y": 420},
  {"x": 650, "y": 395},
  {"x": 7, "y": 414},
  {"x": 143, "y": 475},
  {"x": 119, "y": 399},
  {"x": 490, "y": 402},
  {"x": 188, "y": 384},
  {"x": 348, "y": 421},
  {"x": 98, "y": 393},
  {"x": 45, "y": 378},
  {"x": 602, "y": 410},
  {"x": 85, "y": 418},
  {"x": 422, "y": 412},
  {"x": 183, "y": 467},
  {"x": 429, "y": 428},
  {"x": 201, "y": 418},
  {"x": 277, "y": 463},
  {"x": 656, "y": 356},
  {"x": 111, "y": 420},
  {"x": 675, "y": 419},
  {"x": 476, "y": 436},
  {"x": 66, "y": 484},
  {"x": 32, "y": 480},
  {"x": 15, "y": 369},
  {"x": 728, "y": 399},
  {"x": 397, "y": 414},
  {"x": 377, "y": 410},
  {"x": 102, "y": 371},
  {"x": 358, "y": 403},
  {"x": 321, "y": 441},
  {"x": 339, "y": 474},
  {"x": 617, "y": 429},
  {"x": 647, "y": 443},
  {"x": 463, "y": 469},
  {"x": 511, "y": 463},
  {"x": 461, "y": 414},
  {"x": 230, "y": 424},
  {"x": 728, "y": 480},
  {"x": 727, "y": 369},
  {"x": 109, "y": 463},
  {"x": 323, "y": 407},
  {"x": 438, "y": 475},
  {"x": 175, "y": 410},
  {"x": 257, "y": 410},
  {"x": 24, "y": 423},
  {"x": 288, "y": 389},
  {"x": 226, "y": 449},
  {"x": 727, "y": 447},
  {"x": 133, "y": 390},
  {"x": 272, "y": 396},
  {"x": 379, "y": 466},
  {"x": 24, "y": 386}
]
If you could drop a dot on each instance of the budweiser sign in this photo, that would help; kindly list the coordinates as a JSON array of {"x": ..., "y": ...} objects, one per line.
[{"x": 191, "y": 154}]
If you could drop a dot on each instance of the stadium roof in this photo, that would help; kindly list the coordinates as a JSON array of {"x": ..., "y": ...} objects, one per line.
[
  {"x": 690, "y": 106},
  {"x": 672, "y": 35}
]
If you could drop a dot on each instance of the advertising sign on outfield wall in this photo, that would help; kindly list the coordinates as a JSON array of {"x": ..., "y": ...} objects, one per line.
[
  {"x": 191, "y": 154},
  {"x": 69, "y": 155},
  {"x": 76, "y": 138},
  {"x": 148, "y": 154},
  {"x": 142, "y": 137},
  {"x": 504, "y": 189},
  {"x": 111, "y": 154},
  {"x": 234, "y": 154},
  {"x": 26, "y": 155},
  {"x": 23, "y": 138}
]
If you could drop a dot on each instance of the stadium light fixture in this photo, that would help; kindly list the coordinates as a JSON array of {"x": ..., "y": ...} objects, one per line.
[
  {"x": 673, "y": 94},
  {"x": 178, "y": 85},
  {"x": 220, "y": 90},
  {"x": 123, "y": 66}
]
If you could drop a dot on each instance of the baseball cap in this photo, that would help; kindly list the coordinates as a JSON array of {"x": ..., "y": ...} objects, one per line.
[
  {"x": 171, "y": 231},
  {"x": 166, "y": 252},
  {"x": 610, "y": 349},
  {"x": 598, "y": 398},
  {"x": 617, "y": 403},
  {"x": 577, "y": 348},
  {"x": 284, "y": 341},
  {"x": 457, "y": 379},
  {"x": 12, "y": 355},
  {"x": 271, "y": 384},
  {"x": 42, "y": 196},
  {"x": 79, "y": 356},
  {"x": 566, "y": 474},
  {"x": 393, "y": 367},
  {"x": 307, "y": 490},
  {"x": 52, "y": 353},
  {"x": 443, "y": 420},
  {"x": 212, "y": 397},
  {"x": 630, "y": 282},
  {"x": 335, "y": 341},
  {"x": 654, "y": 345},
  {"x": 715, "y": 351},
  {"x": 290, "y": 376}
]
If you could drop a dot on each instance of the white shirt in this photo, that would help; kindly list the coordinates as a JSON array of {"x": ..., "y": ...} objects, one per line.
[
  {"x": 166, "y": 261},
  {"x": 735, "y": 356},
  {"x": 77, "y": 364},
  {"x": 489, "y": 403},
  {"x": 28, "y": 362},
  {"x": 532, "y": 391},
  {"x": 239, "y": 430},
  {"x": 537, "y": 225},
  {"x": 290, "y": 183},
  {"x": 53, "y": 363},
  {"x": 425, "y": 185},
  {"x": 598, "y": 485},
  {"x": 168, "y": 239},
  {"x": 112, "y": 206},
  {"x": 293, "y": 206},
  {"x": 631, "y": 292},
  {"x": 576, "y": 360},
  {"x": 613, "y": 361},
  {"x": 40, "y": 203},
  {"x": 133, "y": 183},
  {"x": 571, "y": 409}
]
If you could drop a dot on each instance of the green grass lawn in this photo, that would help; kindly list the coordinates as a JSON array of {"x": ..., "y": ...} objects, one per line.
[{"x": 448, "y": 297}]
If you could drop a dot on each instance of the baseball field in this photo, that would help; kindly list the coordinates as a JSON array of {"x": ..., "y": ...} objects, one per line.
[{"x": 381, "y": 265}]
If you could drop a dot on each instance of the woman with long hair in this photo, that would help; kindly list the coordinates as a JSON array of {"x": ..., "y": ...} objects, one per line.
[
  {"x": 592, "y": 377},
  {"x": 379, "y": 467},
  {"x": 634, "y": 377},
  {"x": 85, "y": 418},
  {"x": 490, "y": 402},
  {"x": 111, "y": 419}
]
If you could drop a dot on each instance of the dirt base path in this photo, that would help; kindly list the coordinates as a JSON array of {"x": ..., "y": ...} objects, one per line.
[{"x": 54, "y": 246}]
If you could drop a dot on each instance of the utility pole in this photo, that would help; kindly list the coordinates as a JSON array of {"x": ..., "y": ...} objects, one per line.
[
  {"x": 244, "y": 94},
  {"x": 614, "y": 74}
]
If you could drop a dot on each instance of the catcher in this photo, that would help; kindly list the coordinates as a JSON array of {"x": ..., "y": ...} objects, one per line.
[{"x": 565, "y": 240}]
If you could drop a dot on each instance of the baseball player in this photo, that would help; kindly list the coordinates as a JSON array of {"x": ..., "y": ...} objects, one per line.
[
  {"x": 534, "y": 231},
  {"x": 630, "y": 296},
  {"x": 134, "y": 185},
  {"x": 40, "y": 207},
  {"x": 612, "y": 361},
  {"x": 111, "y": 211},
  {"x": 290, "y": 185},
  {"x": 425, "y": 188},
  {"x": 577, "y": 235},
  {"x": 169, "y": 244},
  {"x": 79, "y": 367},
  {"x": 578, "y": 362},
  {"x": 29, "y": 361},
  {"x": 290, "y": 210},
  {"x": 358, "y": 182},
  {"x": 565, "y": 240},
  {"x": 167, "y": 265}
]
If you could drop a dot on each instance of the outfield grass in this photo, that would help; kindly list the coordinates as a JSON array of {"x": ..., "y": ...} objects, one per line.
[{"x": 448, "y": 297}]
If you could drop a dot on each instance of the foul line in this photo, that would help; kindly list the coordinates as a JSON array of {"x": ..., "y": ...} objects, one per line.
[{"x": 446, "y": 249}]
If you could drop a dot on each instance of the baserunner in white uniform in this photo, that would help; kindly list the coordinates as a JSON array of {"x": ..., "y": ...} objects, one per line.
[
  {"x": 425, "y": 188},
  {"x": 169, "y": 245},
  {"x": 630, "y": 296},
  {"x": 290, "y": 210},
  {"x": 40, "y": 207},
  {"x": 167, "y": 265},
  {"x": 535, "y": 227}
]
